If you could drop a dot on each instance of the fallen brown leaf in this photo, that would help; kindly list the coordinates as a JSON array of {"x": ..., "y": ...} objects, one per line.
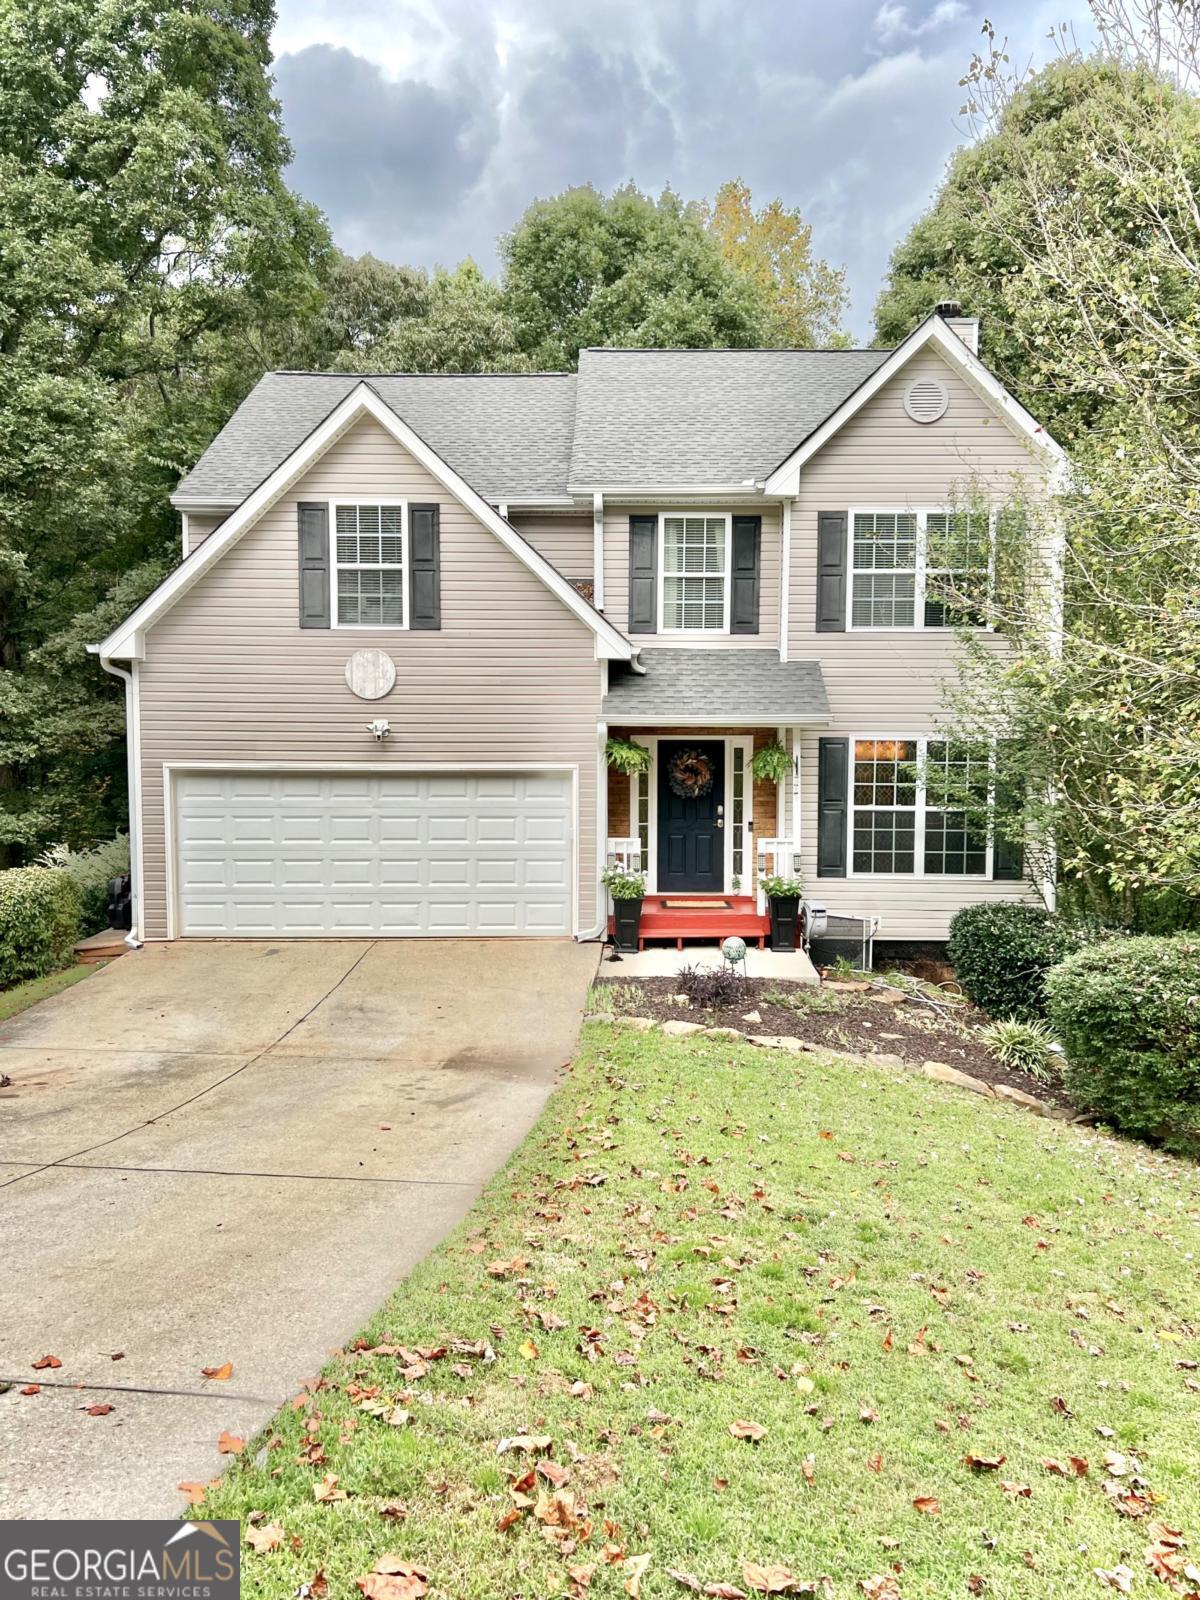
[
  {"x": 882, "y": 1587},
  {"x": 97, "y": 1410},
  {"x": 43, "y": 1362},
  {"x": 195, "y": 1491},
  {"x": 929, "y": 1505},
  {"x": 635, "y": 1569},
  {"x": 1120, "y": 1578},
  {"x": 316, "y": 1588},
  {"x": 393, "y": 1579},
  {"x": 32, "y": 1388},
  {"x": 1015, "y": 1491},
  {"x": 230, "y": 1445},
  {"x": 984, "y": 1463},
  {"x": 774, "y": 1580},
  {"x": 262, "y": 1540},
  {"x": 328, "y": 1490},
  {"x": 219, "y": 1374},
  {"x": 748, "y": 1430}
]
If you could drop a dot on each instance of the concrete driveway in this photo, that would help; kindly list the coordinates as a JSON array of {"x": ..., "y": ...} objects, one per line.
[{"x": 232, "y": 1152}]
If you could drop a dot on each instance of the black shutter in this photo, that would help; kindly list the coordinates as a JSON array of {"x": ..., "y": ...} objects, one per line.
[
  {"x": 643, "y": 574},
  {"x": 313, "y": 518},
  {"x": 833, "y": 792},
  {"x": 424, "y": 567},
  {"x": 1008, "y": 854},
  {"x": 831, "y": 572},
  {"x": 747, "y": 561}
]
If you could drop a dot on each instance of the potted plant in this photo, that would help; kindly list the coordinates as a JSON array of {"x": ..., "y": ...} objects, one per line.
[
  {"x": 627, "y": 756},
  {"x": 771, "y": 763},
  {"x": 628, "y": 889},
  {"x": 784, "y": 897}
]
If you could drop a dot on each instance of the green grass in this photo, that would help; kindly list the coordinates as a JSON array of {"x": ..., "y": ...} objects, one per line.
[
  {"x": 23, "y": 995},
  {"x": 820, "y": 1205}
]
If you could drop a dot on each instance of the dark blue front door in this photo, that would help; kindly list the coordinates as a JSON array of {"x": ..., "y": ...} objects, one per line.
[{"x": 691, "y": 838}]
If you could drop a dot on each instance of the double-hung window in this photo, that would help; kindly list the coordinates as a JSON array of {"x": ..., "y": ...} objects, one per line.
[
  {"x": 368, "y": 564},
  {"x": 694, "y": 573},
  {"x": 918, "y": 808},
  {"x": 908, "y": 569}
]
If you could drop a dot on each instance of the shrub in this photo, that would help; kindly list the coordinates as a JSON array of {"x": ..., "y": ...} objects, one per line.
[
  {"x": 90, "y": 871},
  {"x": 710, "y": 987},
  {"x": 1001, "y": 954},
  {"x": 1128, "y": 1015},
  {"x": 39, "y": 922},
  {"x": 1027, "y": 1046}
]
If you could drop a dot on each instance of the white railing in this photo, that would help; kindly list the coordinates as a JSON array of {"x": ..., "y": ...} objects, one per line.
[
  {"x": 777, "y": 858},
  {"x": 625, "y": 855}
]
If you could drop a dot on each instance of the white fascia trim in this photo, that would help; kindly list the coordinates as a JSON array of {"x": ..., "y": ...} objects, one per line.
[
  {"x": 785, "y": 480},
  {"x": 631, "y": 491},
  {"x": 204, "y": 508},
  {"x": 664, "y": 719},
  {"x": 361, "y": 401}
]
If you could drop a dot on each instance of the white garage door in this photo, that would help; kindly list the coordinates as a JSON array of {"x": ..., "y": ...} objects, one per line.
[{"x": 433, "y": 854}]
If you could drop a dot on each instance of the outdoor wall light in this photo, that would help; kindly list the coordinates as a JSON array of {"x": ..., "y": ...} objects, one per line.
[{"x": 379, "y": 729}]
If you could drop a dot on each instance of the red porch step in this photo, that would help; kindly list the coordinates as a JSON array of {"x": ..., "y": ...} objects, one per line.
[{"x": 713, "y": 917}]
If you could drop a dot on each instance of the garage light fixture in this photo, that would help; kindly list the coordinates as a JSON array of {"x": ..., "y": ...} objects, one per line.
[{"x": 380, "y": 729}]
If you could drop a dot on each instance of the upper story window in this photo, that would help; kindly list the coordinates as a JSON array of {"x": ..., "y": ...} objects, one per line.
[
  {"x": 368, "y": 564},
  {"x": 906, "y": 565},
  {"x": 694, "y": 572}
]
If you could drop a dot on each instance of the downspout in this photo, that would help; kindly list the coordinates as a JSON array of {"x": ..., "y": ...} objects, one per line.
[{"x": 134, "y": 937}]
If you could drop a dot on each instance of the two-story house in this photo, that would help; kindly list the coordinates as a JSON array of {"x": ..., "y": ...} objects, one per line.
[{"x": 374, "y": 696}]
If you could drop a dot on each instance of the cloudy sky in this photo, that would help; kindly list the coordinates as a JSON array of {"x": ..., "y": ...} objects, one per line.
[{"x": 424, "y": 127}]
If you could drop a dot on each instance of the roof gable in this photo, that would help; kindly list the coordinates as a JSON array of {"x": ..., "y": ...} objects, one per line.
[
  {"x": 932, "y": 333},
  {"x": 127, "y": 641}
]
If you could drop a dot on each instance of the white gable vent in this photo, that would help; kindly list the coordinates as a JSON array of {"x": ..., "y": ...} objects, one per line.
[{"x": 926, "y": 400}]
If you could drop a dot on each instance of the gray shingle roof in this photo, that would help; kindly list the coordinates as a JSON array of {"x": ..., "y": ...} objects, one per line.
[
  {"x": 737, "y": 686},
  {"x": 658, "y": 420},
  {"x": 508, "y": 435},
  {"x": 676, "y": 419}
]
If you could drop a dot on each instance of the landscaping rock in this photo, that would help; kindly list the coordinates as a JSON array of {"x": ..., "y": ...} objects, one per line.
[
  {"x": 1006, "y": 1091},
  {"x": 723, "y": 1033},
  {"x": 881, "y": 1058},
  {"x": 643, "y": 1024},
  {"x": 679, "y": 1030},
  {"x": 890, "y": 997},
  {"x": 783, "y": 1041},
  {"x": 752, "y": 1016},
  {"x": 856, "y": 986},
  {"x": 601, "y": 1016},
  {"x": 941, "y": 1072}
]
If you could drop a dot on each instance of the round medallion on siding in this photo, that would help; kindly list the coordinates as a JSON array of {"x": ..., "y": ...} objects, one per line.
[{"x": 370, "y": 674}]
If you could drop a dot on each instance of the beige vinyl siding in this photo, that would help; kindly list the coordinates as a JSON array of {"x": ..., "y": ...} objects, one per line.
[
  {"x": 565, "y": 541},
  {"x": 199, "y": 528},
  {"x": 892, "y": 684},
  {"x": 510, "y": 678},
  {"x": 616, "y": 576}
]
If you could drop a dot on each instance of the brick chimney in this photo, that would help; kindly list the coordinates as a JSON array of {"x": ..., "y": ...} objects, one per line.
[{"x": 967, "y": 328}]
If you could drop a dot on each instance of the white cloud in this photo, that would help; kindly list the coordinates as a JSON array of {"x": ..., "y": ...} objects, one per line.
[{"x": 893, "y": 21}]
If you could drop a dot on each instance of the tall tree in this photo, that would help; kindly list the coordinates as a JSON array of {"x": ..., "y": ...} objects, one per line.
[
  {"x": 459, "y": 323},
  {"x": 1093, "y": 241},
  {"x": 590, "y": 269},
  {"x": 144, "y": 229},
  {"x": 773, "y": 247}
]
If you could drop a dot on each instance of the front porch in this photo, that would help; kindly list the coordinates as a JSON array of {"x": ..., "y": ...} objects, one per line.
[{"x": 679, "y": 918}]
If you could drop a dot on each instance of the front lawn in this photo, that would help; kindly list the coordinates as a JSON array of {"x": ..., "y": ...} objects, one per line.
[{"x": 880, "y": 1276}]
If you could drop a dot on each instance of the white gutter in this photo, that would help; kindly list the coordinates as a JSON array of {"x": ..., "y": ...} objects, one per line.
[
  {"x": 133, "y": 765},
  {"x": 636, "y": 662}
]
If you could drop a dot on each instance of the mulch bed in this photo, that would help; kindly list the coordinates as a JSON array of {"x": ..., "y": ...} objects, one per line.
[{"x": 908, "y": 1029}]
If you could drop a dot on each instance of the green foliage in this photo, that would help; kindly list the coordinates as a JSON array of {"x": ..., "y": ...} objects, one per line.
[
  {"x": 39, "y": 922},
  {"x": 771, "y": 763},
  {"x": 1128, "y": 1014},
  {"x": 585, "y": 268},
  {"x": 1001, "y": 953},
  {"x": 626, "y": 756},
  {"x": 1028, "y": 1046},
  {"x": 90, "y": 871},
  {"x": 807, "y": 999},
  {"x": 782, "y": 888},
  {"x": 149, "y": 239},
  {"x": 624, "y": 885}
]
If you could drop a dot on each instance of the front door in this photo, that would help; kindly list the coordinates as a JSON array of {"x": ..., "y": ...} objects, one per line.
[{"x": 691, "y": 816}]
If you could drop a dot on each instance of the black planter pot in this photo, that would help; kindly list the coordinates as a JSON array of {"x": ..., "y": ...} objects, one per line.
[
  {"x": 627, "y": 919},
  {"x": 785, "y": 919}
]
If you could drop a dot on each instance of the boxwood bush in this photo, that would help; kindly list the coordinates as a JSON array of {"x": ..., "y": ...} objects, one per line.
[
  {"x": 1128, "y": 1016},
  {"x": 39, "y": 922},
  {"x": 1002, "y": 952}
]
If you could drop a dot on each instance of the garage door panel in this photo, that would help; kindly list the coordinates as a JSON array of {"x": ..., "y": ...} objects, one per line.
[{"x": 306, "y": 854}]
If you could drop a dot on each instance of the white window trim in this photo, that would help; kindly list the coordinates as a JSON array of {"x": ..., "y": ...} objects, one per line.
[
  {"x": 662, "y": 574},
  {"x": 335, "y": 566},
  {"x": 922, "y": 742},
  {"x": 730, "y": 741},
  {"x": 920, "y": 571}
]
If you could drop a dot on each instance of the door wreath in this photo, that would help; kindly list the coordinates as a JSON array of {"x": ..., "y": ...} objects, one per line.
[{"x": 690, "y": 774}]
